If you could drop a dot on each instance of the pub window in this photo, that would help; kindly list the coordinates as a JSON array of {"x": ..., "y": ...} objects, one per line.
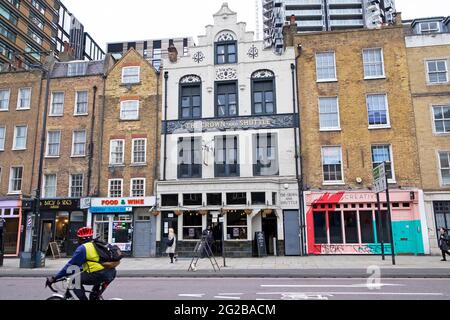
[
  {"x": 214, "y": 199},
  {"x": 192, "y": 225},
  {"x": 384, "y": 225},
  {"x": 236, "y": 225},
  {"x": 320, "y": 228},
  {"x": 265, "y": 155},
  {"x": 263, "y": 92},
  {"x": 189, "y": 158},
  {"x": 226, "y": 99},
  {"x": 192, "y": 199},
  {"x": 190, "y": 97},
  {"x": 258, "y": 198},
  {"x": 274, "y": 198},
  {"x": 226, "y": 49},
  {"x": 169, "y": 200},
  {"x": 238, "y": 198}
]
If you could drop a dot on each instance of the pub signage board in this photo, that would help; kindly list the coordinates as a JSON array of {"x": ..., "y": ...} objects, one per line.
[{"x": 60, "y": 204}]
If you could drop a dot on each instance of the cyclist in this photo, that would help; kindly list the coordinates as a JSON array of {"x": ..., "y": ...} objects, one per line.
[{"x": 87, "y": 259}]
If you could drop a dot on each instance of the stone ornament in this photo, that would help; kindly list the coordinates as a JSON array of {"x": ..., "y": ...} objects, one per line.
[
  {"x": 198, "y": 57},
  {"x": 226, "y": 36},
  {"x": 226, "y": 74},
  {"x": 261, "y": 74},
  {"x": 253, "y": 52},
  {"x": 192, "y": 78}
]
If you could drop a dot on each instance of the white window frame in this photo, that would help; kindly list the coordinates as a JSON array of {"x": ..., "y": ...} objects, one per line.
[
  {"x": 433, "y": 119},
  {"x": 51, "y": 114},
  {"x": 336, "y": 182},
  {"x": 122, "y": 103},
  {"x": 44, "y": 186},
  {"x": 325, "y": 129},
  {"x": 388, "y": 118},
  {"x": 131, "y": 187},
  {"x": 19, "y": 99},
  {"x": 47, "y": 145},
  {"x": 75, "y": 113},
  {"x": 383, "y": 76},
  {"x": 438, "y": 157},
  {"x": 391, "y": 154},
  {"x": 428, "y": 71},
  {"x": 335, "y": 67},
  {"x": 145, "y": 151},
  {"x": 111, "y": 153},
  {"x": 10, "y": 191},
  {"x": 9, "y": 99},
  {"x": 109, "y": 187},
  {"x": 14, "y": 148},
  {"x": 138, "y": 68},
  {"x": 73, "y": 144},
  {"x": 2, "y": 144},
  {"x": 70, "y": 183},
  {"x": 429, "y": 30}
]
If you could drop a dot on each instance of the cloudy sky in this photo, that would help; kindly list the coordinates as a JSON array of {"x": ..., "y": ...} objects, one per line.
[{"x": 110, "y": 21}]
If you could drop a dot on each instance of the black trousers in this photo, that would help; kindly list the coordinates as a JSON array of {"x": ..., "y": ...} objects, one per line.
[
  {"x": 444, "y": 252},
  {"x": 95, "y": 279},
  {"x": 171, "y": 255}
]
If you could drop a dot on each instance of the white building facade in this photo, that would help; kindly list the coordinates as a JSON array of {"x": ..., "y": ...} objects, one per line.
[{"x": 228, "y": 144}]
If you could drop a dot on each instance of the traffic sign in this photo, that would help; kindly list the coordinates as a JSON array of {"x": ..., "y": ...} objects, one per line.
[{"x": 379, "y": 178}]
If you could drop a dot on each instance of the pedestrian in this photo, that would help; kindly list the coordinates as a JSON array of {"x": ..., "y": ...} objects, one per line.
[
  {"x": 171, "y": 244},
  {"x": 443, "y": 243}
]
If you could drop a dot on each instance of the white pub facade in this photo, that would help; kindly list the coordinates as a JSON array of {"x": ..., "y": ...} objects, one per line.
[{"x": 228, "y": 144}]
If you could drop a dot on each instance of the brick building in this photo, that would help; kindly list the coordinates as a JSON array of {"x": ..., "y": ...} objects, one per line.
[
  {"x": 428, "y": 51},
  {"x": 356, "y": 112},
  {"x": 130, "y": 134}
]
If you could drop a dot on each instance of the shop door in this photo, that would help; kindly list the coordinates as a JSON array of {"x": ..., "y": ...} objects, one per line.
[
  {"x": 46, "y": 235},
  {"x": 442, "y": 216},
  {"x": 142, "y": 239},
  {"x": 217, "y": 234},
  {"x": 11, "y": 228},
  {"x": 169, "y": 220},
  {"x": 269, "y": 227},
  {"x": 291, "y": 233},
  {"x": 405, "y": 239}
]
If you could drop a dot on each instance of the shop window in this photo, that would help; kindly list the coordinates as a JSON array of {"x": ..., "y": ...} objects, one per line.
[
  {"x": 367, "y": 230},
  {"x": 406, "y": 205},
  {"x": 192, "y": 225},
  {"x": 237, "y": 198},
  {"x": 259, "y": 198},
  {"x": 192, "y": 199},
  {"x": 214, "y": 199},
  {"x": 384, "y": 226},
  {"x": 320, "y": 228},
  {"x": 236, "y": 225},
  {"x": 335, "y": 223},
  {"x": 395, "y": 205},
  {"x": 351, "y": 227},
  {"x": 169, "y": 200}
]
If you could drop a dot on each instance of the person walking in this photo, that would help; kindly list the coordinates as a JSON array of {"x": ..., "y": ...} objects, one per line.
[
  {"x": 171, "y": 244},
  {"x": 443, "y": 243}
]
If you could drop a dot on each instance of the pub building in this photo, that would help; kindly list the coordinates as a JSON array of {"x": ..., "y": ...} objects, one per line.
[
  {"x": 229, "y": 143},
  {"x": 11, "y": 213},
  {"x": 125, "y": 222}
]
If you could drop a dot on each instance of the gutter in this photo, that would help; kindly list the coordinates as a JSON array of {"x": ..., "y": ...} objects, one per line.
[{"x": 91, "y": 143}]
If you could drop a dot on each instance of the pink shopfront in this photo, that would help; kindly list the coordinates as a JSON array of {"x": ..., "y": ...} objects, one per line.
[{"x": 348, "y": 223}]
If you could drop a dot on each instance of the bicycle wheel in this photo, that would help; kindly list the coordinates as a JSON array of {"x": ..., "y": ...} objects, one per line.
[{"x": 55, "y": 299}]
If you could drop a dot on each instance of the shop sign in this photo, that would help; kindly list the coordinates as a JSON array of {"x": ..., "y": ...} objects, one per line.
[
  {"x": 60, "y": 204},
  {"x": 85, "y": 203},
  {"x": 123, "y": 202},
  {"x": 111, "y": 209},
  {"x": 289, "y": 199}
]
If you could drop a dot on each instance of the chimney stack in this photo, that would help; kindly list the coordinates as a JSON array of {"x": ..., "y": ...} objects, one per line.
[
  {"x": 173, "y": 53},
  {"x": 68, "y": 54}
]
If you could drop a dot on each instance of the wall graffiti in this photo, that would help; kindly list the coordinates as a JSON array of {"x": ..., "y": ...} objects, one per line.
[{"x": 361, "y": 249}]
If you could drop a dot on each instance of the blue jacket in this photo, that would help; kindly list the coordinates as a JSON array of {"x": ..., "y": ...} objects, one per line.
[{"x": 78, "y": 259}]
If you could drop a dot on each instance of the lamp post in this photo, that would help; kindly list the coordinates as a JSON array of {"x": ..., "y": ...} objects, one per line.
[{"x": 222, "y": 220}]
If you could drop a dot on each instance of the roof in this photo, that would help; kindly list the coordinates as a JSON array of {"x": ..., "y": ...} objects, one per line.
[{"x": 93, "y": 68}]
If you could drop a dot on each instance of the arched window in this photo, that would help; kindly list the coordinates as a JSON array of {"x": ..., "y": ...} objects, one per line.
[
  {"x": 263, "y": 92},
  {"x": 226, "y": 48},
  {"x": 190, "y": 97}
]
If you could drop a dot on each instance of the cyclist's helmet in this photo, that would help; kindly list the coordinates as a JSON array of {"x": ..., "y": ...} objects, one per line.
[{"x": 85, "y": 233}]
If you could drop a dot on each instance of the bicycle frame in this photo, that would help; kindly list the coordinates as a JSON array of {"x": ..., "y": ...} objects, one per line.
[{"x": 69, "y": 291}]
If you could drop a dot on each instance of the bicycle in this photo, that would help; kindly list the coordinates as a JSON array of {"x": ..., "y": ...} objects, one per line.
[{"x": 67, "y": 293}]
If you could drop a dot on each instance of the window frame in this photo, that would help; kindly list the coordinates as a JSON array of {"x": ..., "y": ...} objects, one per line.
[
  {"x": 216, "y": 94},
  {"x": 192, "y": 141},
  {"x": 191, "y": 108},
  {"x": 433, "y": 119},
  {"x": 131, "y": 187},
  {"x": 429, "y": 30},
  {"x": 332, "y": 182},
  {"x": 335, "y": 79},
  {"x": 110, "y": 153},
  {"x": 257, "y": 167},
  {"x": 51, "y": 113},
  {"x": 9, "y": 100},
  {"x": 71, "y": 185},
  {"x": 145, "y": 151},
  {"x": 73, "y": 155},
  {"x": 226, "y": 44},
  {"x": 388, "y": 118},
  {"x": 427, "y": 68},
  {"x": 438, "y": 156},
  {"x": 274, "y": 95},
  {"x": 75, "y": 112},
  {"x": 19, "y": 98},
  {"x": 122, "y": 103},
  {"x": 48, "y": 144},
  {"x": 138, "y": 68},
  {"x": 2, "y": 145},
  {"x": 10, "y": 191},
  {"x": 15, "y": 148},
  {"x": 44, "y": 186},
  {"x": 109, "y": 188},
  {"x": 383, "y": 76},
  {"x": 227, "y": 165},
  {"x": 392, "y": 180},
  {"x": 329, "y": 129}
]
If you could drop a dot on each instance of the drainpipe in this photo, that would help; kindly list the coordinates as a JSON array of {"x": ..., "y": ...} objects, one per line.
[
  {"x": 102, "y": 123},
  {"x": 298, "y": 157},
  {"x": 166, "y": 80},
  {"x": 91, "y": 143},
  {"x": 157, "y": 135}
]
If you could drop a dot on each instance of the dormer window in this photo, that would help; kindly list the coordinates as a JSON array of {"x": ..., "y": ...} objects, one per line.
[
  {"x": 226, "y": 49},
  {"x": 131, "y": 75},
  {"x": 77, "y": 69},
  {"x": 429, "y": 27}
]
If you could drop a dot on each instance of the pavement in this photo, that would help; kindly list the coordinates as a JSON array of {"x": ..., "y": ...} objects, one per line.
[{"x": 269, "y": 267}]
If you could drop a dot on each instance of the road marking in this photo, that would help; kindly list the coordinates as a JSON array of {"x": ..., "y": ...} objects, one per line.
[
  {"x": 231, "y": 298},
  {"x": 355, "y": 293},
  {"x": 364, "y": 285},
  {"x": 305, "y": 297},
  {"x": 192, "y": 295},
  {"x": 230, "y": 294}
]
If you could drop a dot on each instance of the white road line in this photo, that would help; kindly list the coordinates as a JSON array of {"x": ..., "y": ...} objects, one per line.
[
  {"x": 231, "y": 298},
  {"x": 364, "y": 285},
  {"x": 230, "y": 294},
  {"x": 354, "y": 293},
  {"x": 192, "y": 295}
]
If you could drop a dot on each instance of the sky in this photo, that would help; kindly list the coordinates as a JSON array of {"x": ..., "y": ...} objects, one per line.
[{"x": 111, "y": 21}]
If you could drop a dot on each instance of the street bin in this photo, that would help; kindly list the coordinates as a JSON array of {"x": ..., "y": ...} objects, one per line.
[{"x": 2, "y": 241}]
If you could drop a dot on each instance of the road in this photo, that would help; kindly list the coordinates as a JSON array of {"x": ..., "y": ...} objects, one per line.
[{"x": 246, "y": 289}]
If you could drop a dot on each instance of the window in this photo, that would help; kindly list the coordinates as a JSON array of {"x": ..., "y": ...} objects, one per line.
[
  {"x": 441, "y": 117},
  {"x": 77, "y": 69},
  {"x": 191, "y": 104},
  {"x": 378, "y": 112},
  {"x": 320, "y": 228},
  {"x": 444, "y": 160},
  {"x": 437, "y": 71},
  {"x": 129, "y": 110},
  {"x": 131, "y": 75},
  {"x": 226, "y": 100},
  {"x": 79, "y": 143},
  {"x": 115, "y": 188},
  {"x": 37, "y": 38},
  {"x": 57, "y": 104},
  {"x": 189, "y": 158},
  {"x": 2, "y": 138},
  {"x": 169, "y": 200},
  {"x": 265, "y": 155},
  {"x": 81, "y": 103},
  {"x": 380, "y": 154},
  {"x": 373, "y": 63},
  {"x": 7, "y": 32},
  {"x": 429, "y": 27},
  {"x": 192, "y": 199},
  {"x": 24, "y": 99},
  {"x": 214, "y": 199},
  {"x": 192, "y": 225},
  {"x": 263, "y": 88},
  {"x": 332, "y": 165},
  {"x": 351, "y": 227},
  {"x": 236, "y": 225},
  {"x": 237, "y": 198},
  {"x": 50, "y": 186},
  {"x": 139, "y": 151},
  {"x": 76, "y": 185},
  {"x": 33, "y": 51},
  {"x": 20, "y": 138},
  {"x": 116, "y": 152},
  {"x": 4, "y": 99},
  {"x": 226, "y": 52},
  {"x": 137, "y": 187},
  {"x": 326, "y": 66},
  {"x": 226, "y": 156},
  {"x": 335, "y": 225},
  {"x": 39, "y": 6},
  {"x": 15, "y": 3},
  {"x": 38, "y": 22},
  {"x": 15, "y": 179},
  {"x": 53, "y": 143},
  {"x": 258, "y": 198},
  {"x": 329, "y": 114}
]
